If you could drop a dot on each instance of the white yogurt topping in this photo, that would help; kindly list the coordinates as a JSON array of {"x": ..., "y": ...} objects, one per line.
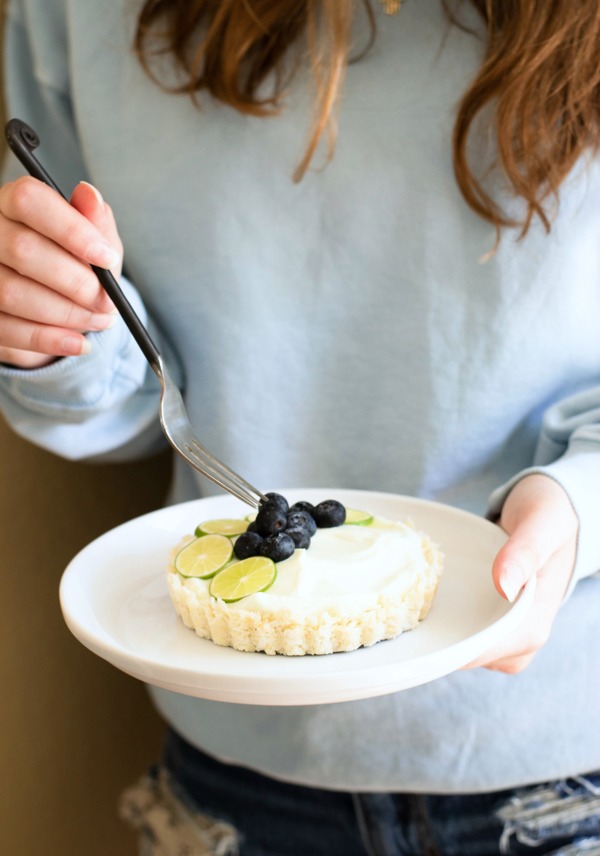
[{"x": 344, "y": 566}]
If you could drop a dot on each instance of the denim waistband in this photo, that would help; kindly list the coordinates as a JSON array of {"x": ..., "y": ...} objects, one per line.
[{"x": 195, "y": 804}]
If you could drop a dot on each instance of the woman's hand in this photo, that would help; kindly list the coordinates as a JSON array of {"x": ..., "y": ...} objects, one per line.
[
  {"x": 542, "y": 526},
  {"x": 49, "y": 296}
]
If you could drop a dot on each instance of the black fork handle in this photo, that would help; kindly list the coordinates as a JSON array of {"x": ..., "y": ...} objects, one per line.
[{"x": 22, "y": 141}]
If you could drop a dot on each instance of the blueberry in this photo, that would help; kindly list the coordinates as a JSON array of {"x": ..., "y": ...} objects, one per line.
[
  {"x": 302, "y": 519},
  {"x": 270, "y": 520},
  {"x": 329, "y": 513},
  {"x": 300, "y": 536},
  {"x": 303, "y": 506},
  {"x": 252, "y": 527},
  {"x": 248, "y": 544},
  {"x": 278, "y": 547},
  {"x": 277, "y": 500}
]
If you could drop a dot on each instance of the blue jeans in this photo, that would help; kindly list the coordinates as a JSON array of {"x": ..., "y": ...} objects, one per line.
[{"x": 253, "y": 815}]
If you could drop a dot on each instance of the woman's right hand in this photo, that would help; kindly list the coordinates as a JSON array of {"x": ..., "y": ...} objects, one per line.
[{"x": 49, "y": 296}]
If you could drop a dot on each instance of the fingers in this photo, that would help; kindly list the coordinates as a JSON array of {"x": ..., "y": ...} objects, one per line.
[
  {"x": 35, "y": 319},
  {"x": 44, "y": 212},
  {"x": 46, "y": 239},
  {"x": 24, "y": 359},
  {"x": 508, "y": 665},
  {"x": 24, "y": 298},
  {"x": 514, "y": 653},
  {"x": 49, "y": 296},
  {"x": 38, "y": 259},
  {"x": 40, "y": 339}
]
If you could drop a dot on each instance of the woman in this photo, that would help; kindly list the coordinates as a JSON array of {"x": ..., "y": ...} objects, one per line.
[{"x": 416, "y": 312}]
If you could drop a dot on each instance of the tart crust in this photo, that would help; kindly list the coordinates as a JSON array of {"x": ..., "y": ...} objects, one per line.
[{"x": 285, "y": 631}]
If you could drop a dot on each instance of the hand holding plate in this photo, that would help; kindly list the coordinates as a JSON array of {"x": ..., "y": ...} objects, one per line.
[{"x": 542, "y": 526}]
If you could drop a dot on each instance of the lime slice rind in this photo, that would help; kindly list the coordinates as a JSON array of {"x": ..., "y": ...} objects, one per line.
[
  {"x": 242, "y": 579},
  {"x": 356, "y": 517},
  {"x": 204, "y": 557},
  {"x": 230, "y": 527}
]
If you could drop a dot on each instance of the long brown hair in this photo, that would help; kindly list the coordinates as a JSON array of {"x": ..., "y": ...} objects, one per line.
[{"x": 540, "y": 75}]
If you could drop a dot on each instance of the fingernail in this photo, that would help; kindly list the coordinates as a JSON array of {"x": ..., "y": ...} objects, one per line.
[
  {"x": 101, "y": 321},
  {"x": 95, "y": 191},
  {"x": 511, "y": 582},
  {"x": 103, "y": 255},
  {"x": 75, "y": 346}
]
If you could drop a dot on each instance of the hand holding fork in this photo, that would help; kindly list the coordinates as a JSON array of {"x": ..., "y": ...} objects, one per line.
[{"x": 52, "y": 261}]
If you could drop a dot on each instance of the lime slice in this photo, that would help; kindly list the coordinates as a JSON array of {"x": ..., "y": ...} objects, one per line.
[
  {"x": 241, "y": 579},
  {"x": 227, "y": 526},
  {"x": 204, "y": 556},
  {"x": 358, "y": 518}
]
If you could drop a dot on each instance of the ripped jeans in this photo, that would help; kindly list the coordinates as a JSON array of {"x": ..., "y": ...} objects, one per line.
[{"x": 192, "y": 805}]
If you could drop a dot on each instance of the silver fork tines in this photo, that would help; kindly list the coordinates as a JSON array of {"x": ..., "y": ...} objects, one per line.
[
  {"x": 178, "y": 430},
  {"x": 222, "y": 475}
]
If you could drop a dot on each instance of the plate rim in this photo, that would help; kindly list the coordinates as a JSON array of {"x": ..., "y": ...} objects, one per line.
[{"x": 148, "y": 670}]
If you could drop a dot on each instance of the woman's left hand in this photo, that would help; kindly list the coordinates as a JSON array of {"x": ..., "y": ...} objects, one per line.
[{"x": 542, "y": 525}]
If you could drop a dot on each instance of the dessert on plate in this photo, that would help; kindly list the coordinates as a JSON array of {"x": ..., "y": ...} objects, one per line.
[{"x": 305, "y": 579}]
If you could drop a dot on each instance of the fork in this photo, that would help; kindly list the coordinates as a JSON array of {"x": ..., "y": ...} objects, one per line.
[{"x": 174, "y": 419}]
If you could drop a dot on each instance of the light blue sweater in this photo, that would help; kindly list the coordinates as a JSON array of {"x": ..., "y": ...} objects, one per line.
[{"x": 338, "y": 331}]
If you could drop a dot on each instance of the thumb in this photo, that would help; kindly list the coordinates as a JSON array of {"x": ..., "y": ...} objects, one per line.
[
  {"x": 89, "y": 202},
  {"x": 540, "y": 521},
  {"x": 523, "y": 555}
]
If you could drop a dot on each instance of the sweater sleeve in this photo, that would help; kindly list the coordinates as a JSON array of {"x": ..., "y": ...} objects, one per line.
[
  {"x": 568, "y": 451},
  {"x": 103, "y": 405}
]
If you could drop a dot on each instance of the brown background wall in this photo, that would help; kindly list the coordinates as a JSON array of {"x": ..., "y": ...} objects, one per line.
[{"x": 73, "y": 730}]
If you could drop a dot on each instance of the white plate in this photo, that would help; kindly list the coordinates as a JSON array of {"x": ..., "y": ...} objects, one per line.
[{"x": 115, "y": 601}]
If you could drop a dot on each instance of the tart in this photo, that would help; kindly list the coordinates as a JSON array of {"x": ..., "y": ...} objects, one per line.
[{"x": 356, "y": 583}]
